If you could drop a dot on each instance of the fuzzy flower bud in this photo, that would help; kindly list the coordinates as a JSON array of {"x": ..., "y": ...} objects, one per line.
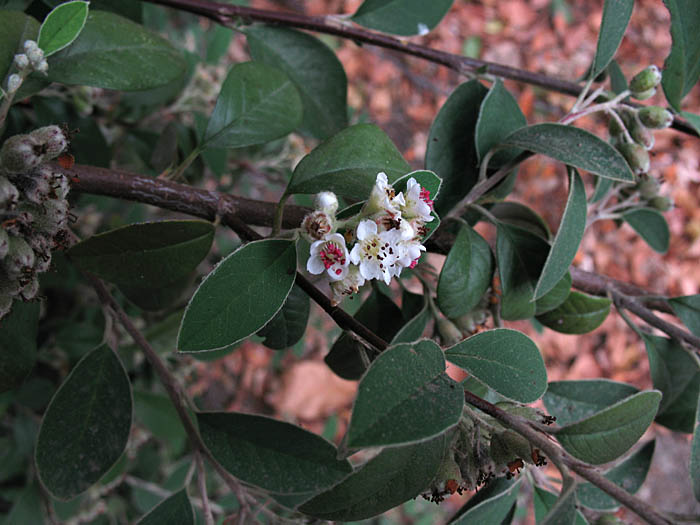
[
  {"x": 53, "y": 138},
  {"x": 22, "y": 61},
  {"x": 20, "y": 153},
  {"x": 42, "y": 66},
  {"x": 30, "y": 45},
  {"x": 326, "y": 201},
  {"x": 654, "y": 117},
  {"x": 647, "y": 79},
  {"x": 19, "y": 258},
  {"x": 13, "y": 83},
  {"x": 35, "y": 55},
  {"x": 9, "y": 194}
]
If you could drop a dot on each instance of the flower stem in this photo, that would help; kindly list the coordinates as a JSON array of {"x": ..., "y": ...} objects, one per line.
[{"x": 279, "y": 214}]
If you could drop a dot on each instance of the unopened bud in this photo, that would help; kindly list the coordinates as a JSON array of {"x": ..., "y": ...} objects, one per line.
[
  {"x": 19, "y": 258},
  {"x": 30, "y": 45},
  {"x": 4, "y": 243},
  {"x": 9, "y": 194},
  {"x": 636, "y": 156},
  {"x": 449, "y": 333},
  {"x": 52, "y": 138},
  {"x": 14, "y": 81},
  {"x": 35, "y": 56},
  {"x": 655, "y": 117},
  {"x": 648, "y": 187},
  {"x": 20, "y": 153},
  {"x": 43, "y": 66},
  {"x": 661, "y": 203},
  {"x": 22, "y": 61},
  {"x": 645, "y": 80},
  {"x": 326, "y": 201}
]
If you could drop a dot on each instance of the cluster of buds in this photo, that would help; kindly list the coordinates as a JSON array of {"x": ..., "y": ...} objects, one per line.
[
  {"x": 31, "y": 60},
  {"x": 483, "y": 450},
  {"x": 648, "y": 189},
  {"x": 378, "y": 243},
  {"x": 33, "y": 211},
  {"x": 631, "y": 130}
]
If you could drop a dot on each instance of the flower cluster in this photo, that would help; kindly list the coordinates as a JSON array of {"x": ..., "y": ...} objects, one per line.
[
  {"x": 31, "y": 60},
  {"x": 384, "y": 238}
]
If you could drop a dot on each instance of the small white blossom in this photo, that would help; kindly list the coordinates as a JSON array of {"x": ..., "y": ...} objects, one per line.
[
  {"x": 409, "y": 253},
  {"x": 348, "y": 286},
  {"x": 383, "y": 199},
  {"x": 376, "y": 252},
  {"x": 418, "y": 203},
  {"x": 326, "y": 201},
  {"x": 331, "y": 255}
]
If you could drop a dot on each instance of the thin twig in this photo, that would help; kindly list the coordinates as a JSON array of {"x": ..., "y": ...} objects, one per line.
[
  {"x": 232, "y": 15},
  {"x": 202, "y": 487}
]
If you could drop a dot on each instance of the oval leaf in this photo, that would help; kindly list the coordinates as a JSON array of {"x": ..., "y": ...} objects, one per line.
[
  {"x": 395, "y": 475},
  {"x": 695, "y": 455},
  {"x": 150, "y": 254},
  {"x": 544, "y": 501},
  {"x": 157, "y": 413},
  {"x": 347, "y": 163},
  {"x": 287, "y": 327},
  {"x": 682, "y": 66},
  {"x": 175, "y": 510},
  {"x": 18, "y": 344},
  {"x": 115, "y": 53},
  {"x": 571, "y": 401},
  {"x": 616, "y": 16},
  {"x": 522, "y": 216},
  {"x": 687, "y": 308},
  {"x": 86, "y": 425},
  {"x": 61, "y": 26},
  {"x": 256, "y": 104},
  {"x": 610, "y": 433},
  {"x": 630, "y": 474},
  {"x": 401, "y": 17},
  {"x": 450, "y": 151},
  {"x": 651, "y": 226},
  {"x": 15, "y": 28},
  {"x": 424, "y": 403},
  {"x": 491, "y": 505},
  {"x": 239, "y": 296},
  {"x": 555, "y": 297},
  {"x": 313, "y": 68},
  {"x": 270, "y": 454},
  {"x": 579, "y": 314},
  {"x": 568, "y": 238},
  {"x": 505, "y": 360},
  {"x": 573, "y": 146}
]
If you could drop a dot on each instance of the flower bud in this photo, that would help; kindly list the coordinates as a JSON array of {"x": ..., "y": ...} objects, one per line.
[
  {"x": 20, "y": 153},
  {"x": 4, "y": 243},
  {"x": 42, "y": 66},
  {"x": 449, "y": 333},
  {"x": 52, "y": 138},
  {"x": 655, "y": 117},
  {"x": 54, "y": 217},
  {"x": 8, "y": 194},
  {"x": 661, "y": 203},
  {"x": 326, "y": 201},
  {"x": 19, "y": 257},
  {"x": 13, "y": 83},
  {"x": 647, "y": 79},
  {"x": 22, "y": 61},
  {"x": 636, "y": 156},
  {"x": 30, "y": 45},
  {"x": 36, "y": 56}
]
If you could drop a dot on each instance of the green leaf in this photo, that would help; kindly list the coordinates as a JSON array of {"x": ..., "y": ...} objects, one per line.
[
  {"x": 616, "y": 16},
  {"x": 675, "y": 373},
  {"x": 86, "y": 425},
  {"x": 611, "y": 432},
  {"x": 618, "y": 81},
  {"x": 573, "y": 146},
  {"x": 492, "y": 507},
  {"x": 682, "y": 66},
  {"x": 466, "y": 274},
  {"x": 579, "y": 314},
  {"x": 175, "y": 510},
  {"x": 555, "y": 297},
  {"x": 257, "y": 103},
  {"x": 18, "y": 344},
  {"x": 499, "y": 116},
  {"x": 630, "y": 474},
  {"x": 423, "y": 402},
  {"x": 395, "y": 475},
  {"x": 414, "y": 328},
  {"x": 62, "y": 26},
  {"x": 239, "y": 296},
  {"x": 651, "y": 226},
  {"x": 687, "y": 308},
  {"x": 401, "y": 17},
  {"x": 602, "y": 187},
  {"x": 289, "y": 325},
  {"x": 115, "y": 53},
  {"x": 695, "y": 455},
  {"x": 15, "y": 28},
  {"x": 571, "y": 401},
  {"x": 568, "y": 238},
  {"x": 27, "y": 508},
  {"x": 270, "y": 454},
  {"x": 157, "y": 413},
  {"x": 347, "y": 163},
  {"x": 149, "y": 255},
  {"x": 693, "y": 120},
  {"x": 313, "y": 68},
  {"x": 505, "y": 360},
  {"x": 378, "y": 313},
  {"x": 522, "y": 216},
  {"x": 450, "y": 151},
  {"x": 521, "y": 256},
  {"x": 544, "y": 501}
]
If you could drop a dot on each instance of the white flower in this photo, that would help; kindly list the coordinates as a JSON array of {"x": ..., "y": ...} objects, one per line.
[
  {"x": 326, "y": 201},
  {"x": 376, "y": 252},
  {"x": 418, "y": 203},
  {"x": 382, "y": 199},
  {"x": 409, "y": 253},
  {"x": 329, "y": 254},
  {"x": 347, "y": 286}
]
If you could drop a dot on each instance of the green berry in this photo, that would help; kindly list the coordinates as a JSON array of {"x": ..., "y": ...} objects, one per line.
[
  {"x": 636, "y": 156},
  {"x": 648, "y": 187},
  {"x": 644, "y": 95},
  {"x": 647, "y": 79},
  {"x": 20, "y": 153},
  {"x": 615, "y": 128},
  {"x": 19, "y": 258},
  {"x": 661, "y": 203},
  {"x": 655, "y": 117},
  {"x": 640, "y": 133}
]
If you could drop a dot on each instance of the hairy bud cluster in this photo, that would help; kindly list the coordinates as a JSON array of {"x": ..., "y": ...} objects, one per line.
[
  {"x": 31, "y": 60},
  {"x": 33, "y": 211}
]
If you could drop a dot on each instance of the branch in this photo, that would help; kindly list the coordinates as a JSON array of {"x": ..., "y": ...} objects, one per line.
[
  {"x": 231, "y": 16},
  {"x": 548, "y": 447}
]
